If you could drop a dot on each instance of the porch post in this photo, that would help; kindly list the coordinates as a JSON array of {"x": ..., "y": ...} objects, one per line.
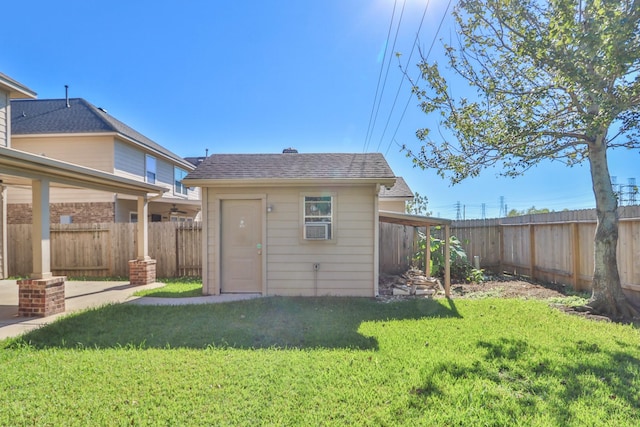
[
  {"x": 142, "y": 270},
  {"x": 142, "y": 248},
  {"x": 40, "y": 237},
  {"x": 42, "y": 294},
  {"x": 4, "y": 265}
]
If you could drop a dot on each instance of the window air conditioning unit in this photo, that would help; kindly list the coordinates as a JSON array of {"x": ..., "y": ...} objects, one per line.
[{"x": 316, "y": 231}]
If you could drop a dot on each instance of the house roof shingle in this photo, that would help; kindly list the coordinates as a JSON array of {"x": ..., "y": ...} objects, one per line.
[
  {"x": 51, "y": 116},
  {"x": 293, "y": 166},
  {"x": 399, "y": 190}
]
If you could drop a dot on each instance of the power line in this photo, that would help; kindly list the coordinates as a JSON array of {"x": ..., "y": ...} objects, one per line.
[
  {"x": 373, "y": 107},
  {"x": 444, "y": 15},
  {"x": 386, "y": 75},
  {"x": 413, "y": 47}
]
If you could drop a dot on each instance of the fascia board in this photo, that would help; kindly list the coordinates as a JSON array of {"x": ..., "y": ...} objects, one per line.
[
  {"x": 28, "y": 165},
  {"x": 267, "y": 182}
]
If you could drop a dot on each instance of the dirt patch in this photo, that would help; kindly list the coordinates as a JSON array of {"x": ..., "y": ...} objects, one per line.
[
  {"x": 493, "y": 287},
  {"x": 496, "y": 286},
  {"x": 507, "y": 287}
]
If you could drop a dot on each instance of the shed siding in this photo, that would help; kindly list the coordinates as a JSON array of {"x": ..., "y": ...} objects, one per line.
[
  {"x": 4, "y": 119},
  {"x": 346, "y": 264},
  {"x": 91, "y": 151},
  {"x": 392, "y": 205}
]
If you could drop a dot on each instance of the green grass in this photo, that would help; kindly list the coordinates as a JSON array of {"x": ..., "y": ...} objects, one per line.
[
  {"x": 182, "y": 287},
  {"x": 324, "y": 361}
]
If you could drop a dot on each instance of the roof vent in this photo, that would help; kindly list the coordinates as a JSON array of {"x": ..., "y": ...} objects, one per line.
[
  {"x": 66, "y": 95},
  {"x": 102, "y": 109},
  {"x": 289, "y": 151}
]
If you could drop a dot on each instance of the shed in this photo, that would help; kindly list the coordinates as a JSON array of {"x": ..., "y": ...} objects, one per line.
[{"x": 291, "y": 224}]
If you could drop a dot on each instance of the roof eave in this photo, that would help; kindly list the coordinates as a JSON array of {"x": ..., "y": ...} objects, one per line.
[
  {"x": 285, "y": 182},
  {"x": 29, "y": 165},
  {"x": 396, "y": 198},
  {"x": 16, "y": 90},
  {"x": 411, "y": 220}
]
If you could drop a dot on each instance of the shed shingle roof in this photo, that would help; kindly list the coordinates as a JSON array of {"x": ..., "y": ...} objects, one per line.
[
  {"x": 399, "y": 190},
  {"x": 51, "y": 116},
  {"x": 293, "y": 166}
]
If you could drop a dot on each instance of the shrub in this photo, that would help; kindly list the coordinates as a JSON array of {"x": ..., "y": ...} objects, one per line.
[{"x": 461, "y": 268}]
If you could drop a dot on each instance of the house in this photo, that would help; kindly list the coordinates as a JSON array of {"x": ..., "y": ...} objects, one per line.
[
  {"x": 395, "y": 198},
  {"x": 290, "y": 223},
  {"x": 75, "y": 131},
  {"x": 42, "y": 293}
]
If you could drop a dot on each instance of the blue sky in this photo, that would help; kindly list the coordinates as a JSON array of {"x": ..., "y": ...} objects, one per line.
[{"x": 260, "y": 76}]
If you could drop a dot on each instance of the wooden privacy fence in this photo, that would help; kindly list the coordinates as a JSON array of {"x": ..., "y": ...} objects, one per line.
[
  {"x": 397, "y": 247},
  {"x": 556, "y": 247},
  {"x": 104, "y": 250}
]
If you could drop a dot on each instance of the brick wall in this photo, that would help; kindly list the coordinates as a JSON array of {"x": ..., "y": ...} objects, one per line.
[
  {"x": 41, "y": 297},
  {"x": 142, "y": 272},
  {"x": 81, "y": 213}
]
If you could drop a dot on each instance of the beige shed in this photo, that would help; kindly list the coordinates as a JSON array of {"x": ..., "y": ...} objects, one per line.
[{"x": 291, "y": 223}]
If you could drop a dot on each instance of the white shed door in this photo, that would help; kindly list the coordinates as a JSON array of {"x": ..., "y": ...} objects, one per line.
[{"x": 241, "y": 246}]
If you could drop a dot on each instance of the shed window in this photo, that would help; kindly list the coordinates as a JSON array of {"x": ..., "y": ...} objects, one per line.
[
  {"x": 150, "y": 168},
  {"x": 318, "y": 217},
  {"x": 178, "y": 176}
]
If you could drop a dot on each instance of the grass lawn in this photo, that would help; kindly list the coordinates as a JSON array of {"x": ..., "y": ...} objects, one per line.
[
  {"x": 324, "y": 361},
  {"x": 183, "y": 287}
]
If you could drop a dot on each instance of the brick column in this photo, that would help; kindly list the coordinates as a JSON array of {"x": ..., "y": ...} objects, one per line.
[
  {"x": 41, "y": 297},
  {"x": 142, "y": 272}
]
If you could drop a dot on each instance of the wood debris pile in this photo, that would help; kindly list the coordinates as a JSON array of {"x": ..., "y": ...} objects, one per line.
[{"x": 413, "y": 282}]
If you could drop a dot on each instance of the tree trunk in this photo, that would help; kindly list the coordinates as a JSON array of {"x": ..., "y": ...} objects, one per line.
[{"x": 607, "y": 296}]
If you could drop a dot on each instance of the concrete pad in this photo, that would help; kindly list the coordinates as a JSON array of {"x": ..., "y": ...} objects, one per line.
[{"x": 81, "y": 295}]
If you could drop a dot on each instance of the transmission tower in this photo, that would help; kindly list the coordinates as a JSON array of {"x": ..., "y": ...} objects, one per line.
[
  {"x": 632, "y": 189},
  {"x": 502, "y": 209},
  {"x": 458, "y": 210}
]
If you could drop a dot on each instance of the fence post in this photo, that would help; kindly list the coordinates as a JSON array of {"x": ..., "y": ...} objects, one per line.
[
  {"x": 575, "y": 253},
  {"x": 532, "y": 251},
  {"x": 447, "y": 262},
  {"x": 427, "y": 251},
  {"x": 500, "y": 250}
]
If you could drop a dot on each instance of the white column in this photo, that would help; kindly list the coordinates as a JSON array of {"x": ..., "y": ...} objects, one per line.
[
  {"x": 3, "y": 231},
  {"x": 40, "y": 237},
  {"x": 142, "y": 247}
]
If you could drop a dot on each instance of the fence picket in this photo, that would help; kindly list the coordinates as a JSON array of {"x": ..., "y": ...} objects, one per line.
[{"x": 104, "y": 250}]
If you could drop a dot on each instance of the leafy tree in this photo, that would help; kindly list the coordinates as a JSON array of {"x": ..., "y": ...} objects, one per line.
[
  {"x": 531, "y": 211},
  {"x": 419, "y": 205},
  {"x": 554, "y": 80}
]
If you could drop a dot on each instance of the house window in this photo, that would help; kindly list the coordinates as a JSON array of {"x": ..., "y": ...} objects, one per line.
[
  {"x": 178, "y": 176},
  {"x": 318, "y": 217},
  {"x": 133, "y": 216},
  {"x": 66, "y": 219},
  {"x": 150, "y": 167}
]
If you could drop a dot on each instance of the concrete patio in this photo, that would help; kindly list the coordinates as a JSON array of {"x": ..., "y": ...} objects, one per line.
[{"x": 80, "y": 295}]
